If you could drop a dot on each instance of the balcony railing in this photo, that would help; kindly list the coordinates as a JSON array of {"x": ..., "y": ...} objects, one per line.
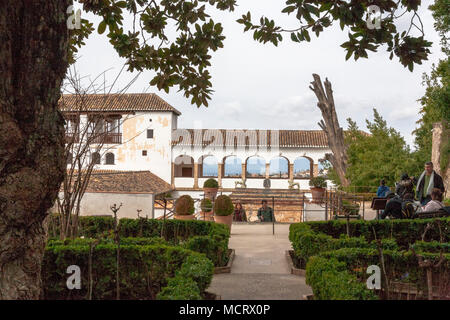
[{"x": 106, "y": 138}]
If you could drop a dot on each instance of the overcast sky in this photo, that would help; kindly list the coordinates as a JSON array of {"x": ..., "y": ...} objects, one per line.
[{"x": 266, "y": 87}]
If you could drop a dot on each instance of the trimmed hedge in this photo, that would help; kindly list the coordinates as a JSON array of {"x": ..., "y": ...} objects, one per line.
[
  {"x": 405, "y": 231},
  {"x": 330, "y": 280},
  {"x": 212, "y": 238},
  {"x": 144, "y": 270},
  {"x": 336, "y": 264}
]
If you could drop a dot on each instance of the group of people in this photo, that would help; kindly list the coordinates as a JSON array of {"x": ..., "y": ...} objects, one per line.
[
  {"x": 265, "y": 213},
  {"x": 429, "y": 192}
]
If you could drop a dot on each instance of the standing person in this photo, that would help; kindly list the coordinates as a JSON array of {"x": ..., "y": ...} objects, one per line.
[
  {"x": 265, "y": 213},
  {"x": 428, "y": 180},
  {"x": 239, "y": 213},
  {"x": 383, "y": 190}
]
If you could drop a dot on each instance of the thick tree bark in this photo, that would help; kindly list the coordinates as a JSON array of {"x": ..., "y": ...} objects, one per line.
[
  {"x": 330, "y": 125},
  {"x": 33, "y": 62}
]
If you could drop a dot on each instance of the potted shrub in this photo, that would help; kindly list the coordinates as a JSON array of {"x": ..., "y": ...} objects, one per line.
[
  {"x": 207, "y": 210},
  {"x": 210, "y": 188},
  {"x": 223, "y": 210},
  {"x": 318, "y": 185},
  {"x": 184, "y": 208}
]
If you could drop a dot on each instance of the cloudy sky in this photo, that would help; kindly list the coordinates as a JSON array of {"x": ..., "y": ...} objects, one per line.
[{"x": 266, "y": 87}]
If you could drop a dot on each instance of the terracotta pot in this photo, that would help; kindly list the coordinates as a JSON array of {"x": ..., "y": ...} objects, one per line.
[
  {"x": 317, "y": 194},
  {"x": 228, "y": 220},
  {"x": 210, "y": 193},
  {"x": 207, "y": 216},
  {"x": 184, "y": 217}
]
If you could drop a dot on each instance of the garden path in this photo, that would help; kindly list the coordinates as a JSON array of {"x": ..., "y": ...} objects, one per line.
[{"x": 260, "y": 270}]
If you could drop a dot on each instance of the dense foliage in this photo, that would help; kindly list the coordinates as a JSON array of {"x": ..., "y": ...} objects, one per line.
[
  {"x": 336, "y": 264},
  {"x": 143, "y": 270},
  {"x": 201, "y": 236},
  {"x": 315, "y": 16}
]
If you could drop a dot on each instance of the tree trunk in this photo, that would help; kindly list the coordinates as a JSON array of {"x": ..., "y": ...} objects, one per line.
[
  {"x": 330, "y": 125},
  {"x": 33, "y": 62}
]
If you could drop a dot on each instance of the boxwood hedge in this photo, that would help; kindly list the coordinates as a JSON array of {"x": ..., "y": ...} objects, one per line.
[
  {"x": 336, "y": 264},
  {"x": 144, "y": 270}
]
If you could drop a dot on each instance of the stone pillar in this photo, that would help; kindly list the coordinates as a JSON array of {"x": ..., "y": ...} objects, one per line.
[
  {"x": 291, "y": 171},
  {"x": 315, "y": 172},
  {"x": 219, "y": 174},
  {"x": 244, "y": 171},
  {"x": 195, "y": 175},
  {"x": 267, "y": 170},
  {"x": 172, "y": 175}
]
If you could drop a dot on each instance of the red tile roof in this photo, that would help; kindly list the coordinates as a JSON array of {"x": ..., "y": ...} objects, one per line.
[
  {"x": 120, "y": 102},
  {"x": 230, "y": 137},
  {"x": 126, "y": 182}
]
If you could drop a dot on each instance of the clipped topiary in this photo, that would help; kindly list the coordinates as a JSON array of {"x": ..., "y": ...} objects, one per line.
[
  {"x": 223, "y": 206},
  {"x": 211, "y": 183},
  {"x": 184, "y": 206},
  {"x": 206, "y": 205}
]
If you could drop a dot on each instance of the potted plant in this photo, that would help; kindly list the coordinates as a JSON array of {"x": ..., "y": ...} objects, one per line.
[
  {"x": 223, "y": 210},
  {"x": 210, "y": 188},
  {"x": 184, "y": 208},
  {"x": 207, "y": 210},
  {"x": 318, "y": 185}
]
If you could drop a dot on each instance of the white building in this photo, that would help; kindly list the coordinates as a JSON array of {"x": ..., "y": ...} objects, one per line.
[{"x": 141, "y": 135}]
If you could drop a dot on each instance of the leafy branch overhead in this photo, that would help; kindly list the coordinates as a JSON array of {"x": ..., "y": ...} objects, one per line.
[
  {"x": 179, "y": 58},
  {"x": 316, "y": 15}
]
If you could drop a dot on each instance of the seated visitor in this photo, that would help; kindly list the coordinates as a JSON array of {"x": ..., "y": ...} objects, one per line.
[
  {"x": 383, "y": 190},
  {"x": 408, "y": 207},
  {"x": 435, "y": 204},
  {"x": 239, "y": 213},
  {"x": 405, "y": 185},
  {"x": 265, "y": 213},
  {"x": 393, "y": 207}
]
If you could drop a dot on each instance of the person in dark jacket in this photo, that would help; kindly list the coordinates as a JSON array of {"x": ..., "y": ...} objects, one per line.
[
  {"x": 428, "y": 180},
  {"x": 393, "y": 207},
  {"x": 265, "y": 213},
  {"x": 405, "y": 185}
]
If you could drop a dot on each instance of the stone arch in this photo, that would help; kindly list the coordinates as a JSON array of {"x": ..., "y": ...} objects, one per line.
[
  {"x": 232, "y": 167},
  {"x": 208, "y": 166},
  {"x": 184, "y": 167},
  {"x": 279, "y": 167},
  {"x": 256, "y": 167},
  {"x": 303, "y": 167}
]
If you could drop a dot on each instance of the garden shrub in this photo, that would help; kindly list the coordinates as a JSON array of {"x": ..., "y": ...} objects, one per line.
[
  {"x": 184, "y": 205},
  {"x": 144, "y": 270},
  {"x": 330, "y": 280},
  {"x": 223, "y": 206},
  {"x": 171, "y": 231},
  {"x": 180, "y": 288},
  {"x": 211, "y": 183},
  {"x": 336, "y": 264}
]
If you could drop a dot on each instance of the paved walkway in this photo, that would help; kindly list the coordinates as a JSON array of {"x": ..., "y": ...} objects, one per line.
[{"x": 260, "y": 270}]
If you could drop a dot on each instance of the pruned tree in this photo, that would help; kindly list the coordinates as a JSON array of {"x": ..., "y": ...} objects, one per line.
[
  {"x": 330, "y": 125},
  {"x": 88, "y": 140}
]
